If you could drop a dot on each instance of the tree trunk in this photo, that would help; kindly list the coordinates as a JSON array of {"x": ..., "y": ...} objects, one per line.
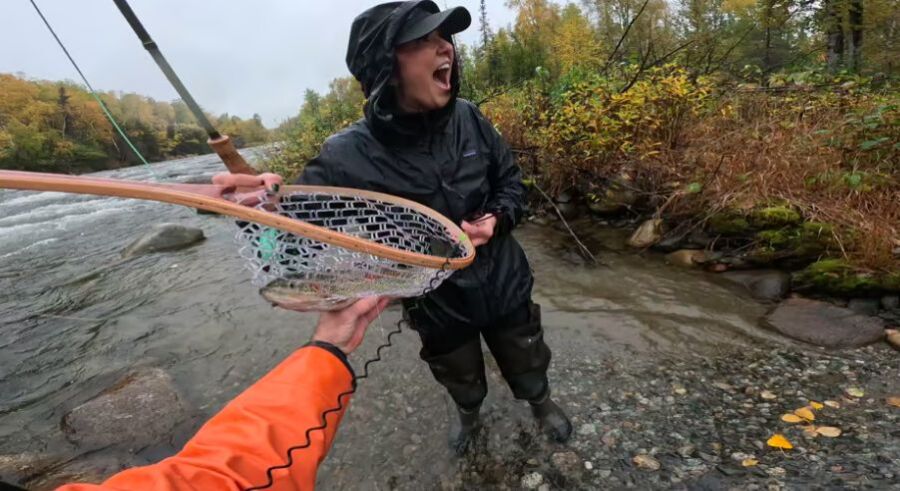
[
  {"x": 835, "y": 34},
  {"x": 856, "y": 34},
  {"x": 767, "y": 53}
]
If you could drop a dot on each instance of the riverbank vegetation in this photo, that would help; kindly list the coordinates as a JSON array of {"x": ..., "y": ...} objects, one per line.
[
  {"x": 773, "y": 126},
  {"x": 59, "y": 127}
]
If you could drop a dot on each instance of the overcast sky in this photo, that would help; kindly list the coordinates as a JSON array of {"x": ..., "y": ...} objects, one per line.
[{"x": 235, "y": 56}]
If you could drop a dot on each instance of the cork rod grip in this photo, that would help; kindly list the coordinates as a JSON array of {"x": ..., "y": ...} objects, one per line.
[{"x": 233, "y": 160}]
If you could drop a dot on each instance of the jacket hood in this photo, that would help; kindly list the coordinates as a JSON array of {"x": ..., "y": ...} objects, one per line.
[{"x": 371, "y": 60}]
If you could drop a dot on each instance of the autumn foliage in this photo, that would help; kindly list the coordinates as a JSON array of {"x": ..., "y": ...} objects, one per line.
[{"x": 59, "y": 126}]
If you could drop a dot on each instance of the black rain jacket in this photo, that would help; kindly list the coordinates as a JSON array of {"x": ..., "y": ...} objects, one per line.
[{"x": 451, "y": 160}]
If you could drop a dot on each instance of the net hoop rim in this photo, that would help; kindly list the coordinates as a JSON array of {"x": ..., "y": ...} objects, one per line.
[{"x": 204, "y": 197}]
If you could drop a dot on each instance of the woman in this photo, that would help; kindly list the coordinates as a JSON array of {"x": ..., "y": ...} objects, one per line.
[{"x": 419, "y": 141}]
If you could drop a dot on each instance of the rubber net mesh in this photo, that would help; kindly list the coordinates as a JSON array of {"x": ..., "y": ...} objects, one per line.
[{"x": 305, "y": 274}]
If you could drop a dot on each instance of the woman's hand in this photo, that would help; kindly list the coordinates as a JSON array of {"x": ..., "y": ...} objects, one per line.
[
  {"x": 346, "y": 328},
  {"x": 480, "y": 230},
  {"x": 245, "y": 189}
]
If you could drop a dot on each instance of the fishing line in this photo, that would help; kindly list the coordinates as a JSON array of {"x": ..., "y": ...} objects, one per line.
[
  {"x": 94, "y": 92},
  {"x": 435, "y": 280}
]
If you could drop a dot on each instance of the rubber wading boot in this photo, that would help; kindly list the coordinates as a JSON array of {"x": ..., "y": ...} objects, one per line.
[
  {"x": 463, "y": 429},
  {"x": 553, "y": 420}
]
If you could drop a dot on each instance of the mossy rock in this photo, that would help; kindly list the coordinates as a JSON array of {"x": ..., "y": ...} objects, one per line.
[
  {"x": 838, "y": 277},
  {"x": 810, "y": 240},
  {"x": 729, "y": 224},
  {"x": 774, "y": 217}
]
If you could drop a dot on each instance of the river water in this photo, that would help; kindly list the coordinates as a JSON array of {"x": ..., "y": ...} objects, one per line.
[{"x": 75, "y": 317}]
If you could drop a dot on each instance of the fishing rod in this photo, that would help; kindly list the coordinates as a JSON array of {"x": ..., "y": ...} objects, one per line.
[{"x": 220, "y": 143}]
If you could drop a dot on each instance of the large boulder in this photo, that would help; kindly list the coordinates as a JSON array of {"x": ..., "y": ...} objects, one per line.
[
  {"x": 763, "y": 284},
  {"x": 824, "y": 324},
  {"x": 164, "y": 237},
  {"x": 139, "y": 410}
]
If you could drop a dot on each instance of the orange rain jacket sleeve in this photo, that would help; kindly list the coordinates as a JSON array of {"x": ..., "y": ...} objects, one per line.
[{"x": 254, "y": 431}]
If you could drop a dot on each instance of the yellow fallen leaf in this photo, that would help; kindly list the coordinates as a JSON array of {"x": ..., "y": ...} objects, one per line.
[
  {"x": 833, "y": 404},
  {"x": 791, "y": 418},
  {"x": 749, "y": 462},
  {"x": 816, "y": 405},
  {"x": 779, "y": 441},
  {"x": 805, "y": 413},
  {"x": 855, "y": 392},
  {"x": 894, "y": 401},
  {"x": 829, "y": 431},
  {"x": 810, "y": 431}
]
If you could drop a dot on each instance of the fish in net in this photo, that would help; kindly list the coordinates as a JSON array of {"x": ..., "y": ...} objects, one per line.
[{"x": 300, "y": 273}]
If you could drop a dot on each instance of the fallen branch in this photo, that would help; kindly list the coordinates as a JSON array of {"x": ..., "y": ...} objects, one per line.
[{"x": 584, "y": 249}]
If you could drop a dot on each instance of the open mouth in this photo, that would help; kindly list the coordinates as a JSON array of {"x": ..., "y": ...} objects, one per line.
[{"x": 442, "y": 76}]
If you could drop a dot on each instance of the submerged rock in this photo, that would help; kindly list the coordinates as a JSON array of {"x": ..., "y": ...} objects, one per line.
[
  {"x": 647, "y": 234},
  {"x": 765, "y": 284},
  {"x": 93, "y": 468},
  {"x": 164, "y": 237},
  {"x": 823, "y": 324},
  {"x": 139, "y": 410},
  {"x": 19, "y": 468},
  {"x": 687, "y": 258}
]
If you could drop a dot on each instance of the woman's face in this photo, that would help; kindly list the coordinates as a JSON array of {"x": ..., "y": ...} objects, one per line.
[{"x": 423, "y": 73}]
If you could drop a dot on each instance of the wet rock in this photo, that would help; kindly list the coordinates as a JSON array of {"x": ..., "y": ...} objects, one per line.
[
  {"x": 540, "y": 220},
  {"x": 568, "y": 463},
  {"x": 19, "y": 468},
  {"x": 864, "y": 306},
  {"x": 823, "y": 324},
  {"x": 698, "y": 238},
  {"x": 687, "y": 451},
  {"x": 647, "y": 234},
  {"x": 140, "y": 410},
  {"x": 669, "y": 244},
  {"x": 587, "y": 429},
  {"x": 89, "y": 469},
  {"x": 617, "y": 196},
  {"x": 164, "y": 237},
  {"x": 767, "y": 285},
  {"x": 570, "y": 211},
  {"x": 532, "y": 480},
  {"x": 890, "y": 302},
  {"x": 564, "y": 197},
  {"x": 646, "y": 462},
  {"x": 687, "y": 258},
  {"x": 611, "y": 437},
  {"x": 893, "y": 338}
]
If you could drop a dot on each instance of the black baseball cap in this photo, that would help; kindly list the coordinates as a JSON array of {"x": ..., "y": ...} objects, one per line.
[{"x": 427, "y": 17}]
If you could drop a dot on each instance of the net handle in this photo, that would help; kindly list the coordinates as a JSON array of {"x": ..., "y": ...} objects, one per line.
[{"x": 209, "y": 197}]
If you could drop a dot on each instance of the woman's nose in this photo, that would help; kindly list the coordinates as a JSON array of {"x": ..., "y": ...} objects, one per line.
[{"x": 444, "y": 46}]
